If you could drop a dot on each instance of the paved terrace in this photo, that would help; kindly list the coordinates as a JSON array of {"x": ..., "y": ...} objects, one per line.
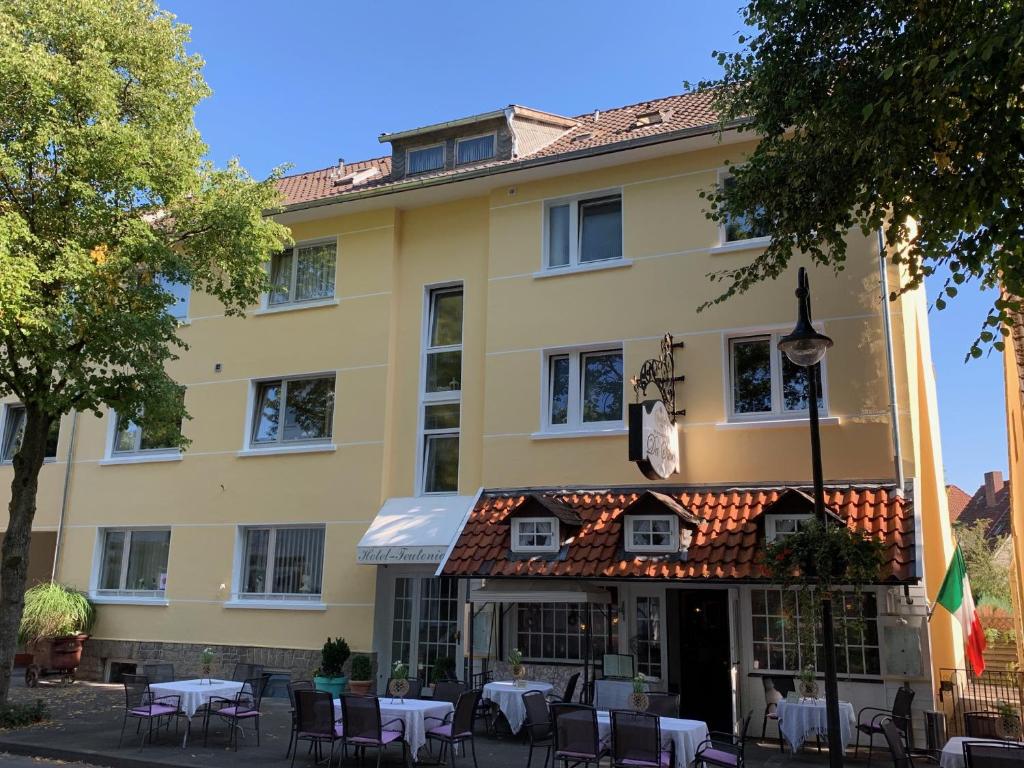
[{"x": 86, "y": 721}]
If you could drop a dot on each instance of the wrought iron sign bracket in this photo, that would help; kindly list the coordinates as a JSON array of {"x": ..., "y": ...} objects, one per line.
[{"x": 661, "y": 372}]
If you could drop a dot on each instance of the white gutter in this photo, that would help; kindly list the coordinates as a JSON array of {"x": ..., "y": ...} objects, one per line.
[
  {"x": 894, "y": 413},
  {"x": 64, "y": 496}
]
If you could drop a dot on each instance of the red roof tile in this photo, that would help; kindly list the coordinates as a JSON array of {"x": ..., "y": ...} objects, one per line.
[{"x": 724, "y": 546}]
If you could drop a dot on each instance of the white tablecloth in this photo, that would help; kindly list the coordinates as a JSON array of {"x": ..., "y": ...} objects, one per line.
[
  {"x": 953, "y": 753},
  {"x": 686, "y": 734},
  {"x": 413, "y": 712},
  {"x": 801, "y": 720},
  {"x": 510, "y": 699},
  {"x": 613, "y": 694},
  {"x": 195, "y": 694}
]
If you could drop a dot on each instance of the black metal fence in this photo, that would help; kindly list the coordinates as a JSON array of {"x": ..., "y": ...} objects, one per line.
[{"x": 961, "y": 692}]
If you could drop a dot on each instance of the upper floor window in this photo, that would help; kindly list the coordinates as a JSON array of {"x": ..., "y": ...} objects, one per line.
[
  {"x": 442, "y": 388},
  {"x": 130, "y": 437},
  {"x": 781, "y": 526},
  {"x": 583, "y": 230},
  {"x": 134, "y": 562},
  {"x": 295, "y": 410},
  {"x": 744, "y": 226},
  {"x": 652, "y": 533},
  {"x": 535, "y": 534},
  {"x": 763, "y": 382},
  {"x": 282, "y": 562},
  {"x": 181, "y": 292},
  {"x": 475, "y": 149},
  {"x": 303, "y": 273},
  {"x": 425, "y": 159},
  {"x": 14, "y": 433},
  {"x": 584, "y": 389}
]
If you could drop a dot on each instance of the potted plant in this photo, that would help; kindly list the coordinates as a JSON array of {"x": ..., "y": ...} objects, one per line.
[
  {"x": 808, "y": 683},
  {"x": 54, "y": 625},
  {"x": 399, "y": 684},
  {"x": 205, "y": 663},
  {"x": 361, "y": 675},
  {"x": 515, "y": 660},
  {"x": 444, "y": 669},
  {"x": 638, "y": 699},
  {"x": 329, "y": 676},
  {"x": 1008, "y": 726}
]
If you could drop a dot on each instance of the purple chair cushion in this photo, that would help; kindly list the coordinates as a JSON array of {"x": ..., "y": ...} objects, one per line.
[
  {"x": 719, "y": 756},
  {"x": 234, "y": 711},
  {"x": 665, "y": 758},
  {"x": 445, "y": 731},
  {"x": 580, "y": 755},
  {"x": 386, "y": 737},
  {"x": 311, "y": 735},
  {"x": 155, "y": 710}
]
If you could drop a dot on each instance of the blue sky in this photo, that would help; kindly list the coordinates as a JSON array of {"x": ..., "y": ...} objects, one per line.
[{"x": 306, "y": 83}]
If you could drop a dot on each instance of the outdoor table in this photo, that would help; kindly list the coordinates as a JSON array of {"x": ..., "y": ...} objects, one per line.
[
  {"x": 195, "y": 694},
  {"x": 509, "y": 699},
  {"x": 953, "y": 753},
  {"x": 613, "y": 694},
  {"x": 685, "y": 734},
  {"x": 412, "y": 712},
  {"x": 807, "y": 717}
]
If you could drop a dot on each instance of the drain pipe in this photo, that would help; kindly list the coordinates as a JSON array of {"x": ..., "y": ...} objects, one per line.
[
  {"x": 894, "y": 413},
  {"x": 64, "y": 496}
]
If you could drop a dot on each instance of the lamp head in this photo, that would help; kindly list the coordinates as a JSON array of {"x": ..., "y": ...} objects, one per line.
[{"x": 804, "y": 346}]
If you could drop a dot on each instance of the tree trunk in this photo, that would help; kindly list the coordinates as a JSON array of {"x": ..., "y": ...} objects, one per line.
[{"x": 14, "y": 553}]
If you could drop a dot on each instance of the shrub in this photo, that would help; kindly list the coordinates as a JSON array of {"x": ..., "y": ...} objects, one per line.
[
  {"x": 333, "y": 657},
  {"x": 54, "y": 610},
  {"x": 444, "y": 669},
  {"x": 362, "y": 669},
  {"x": 20, "y": 715}
]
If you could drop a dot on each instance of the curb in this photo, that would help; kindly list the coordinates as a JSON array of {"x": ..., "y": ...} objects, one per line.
[{"x": 84, "y": 756}]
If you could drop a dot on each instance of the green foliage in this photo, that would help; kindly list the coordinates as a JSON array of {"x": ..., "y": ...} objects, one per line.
[
  {"x": 20, "y": 715},
  {"x": 872, "y": 113},
  {"x": 443, "y": 669},
  {"x": 990, "y": 577},
  {"x": 362, "y": 669},
  {"x": 333, "y": 657},
  {"x": 826, "y": 556},
  {"x": 400, "y": 670},
  {"x": 206, "y": 656},
  {"x": 54, "y": 610}
]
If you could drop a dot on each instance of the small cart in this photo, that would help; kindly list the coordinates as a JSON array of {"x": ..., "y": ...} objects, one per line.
[{"x": 55, "y": 656}]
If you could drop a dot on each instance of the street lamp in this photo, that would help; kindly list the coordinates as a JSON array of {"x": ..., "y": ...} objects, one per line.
[{"x": 806, "y": 347}]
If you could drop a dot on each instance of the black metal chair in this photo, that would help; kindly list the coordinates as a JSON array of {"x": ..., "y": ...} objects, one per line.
[
  {"x": 315, "y": 722},
  {"x": 243, "y": 672},
  {"x": 294, "y": 687},
  {"x": 636, "y": 741},
  {"x": 899, "y": 714},
  {"x": 894, "y": 738},
  {"x": 160, "y": 672},
  {"x": 775, "y": 690},
  {"x": 457, "y": 728},
  {"x": 577, "y": 738},
  {"x": 244, "y": 706},
  {"x": 568, "y": 693},
  {"x": 140, "y": 704},
  {"x": 415, "y": 688},
  {"x": 981, "y": 725},
  {"x": 537, "y": 725},
  {"x": 362, "y": 727},
  {"x": 449, "y": 690},
  {"x": 726, "y": 750},
  {"x": 485, "y": 709},
  {"x": 663, "y": 704},
  {"x": 991, "y": 754}
]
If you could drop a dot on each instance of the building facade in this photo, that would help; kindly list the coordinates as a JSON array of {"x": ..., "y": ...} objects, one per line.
[{"x": 465, "y": 313}]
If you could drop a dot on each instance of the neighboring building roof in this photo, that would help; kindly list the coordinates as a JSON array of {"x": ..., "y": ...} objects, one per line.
[
  {"x": 600, "y": 129},
  {"x": 957, "y": 498},
  {"x": 996, "y": 510},
  {"x": 724, "y": 548}
]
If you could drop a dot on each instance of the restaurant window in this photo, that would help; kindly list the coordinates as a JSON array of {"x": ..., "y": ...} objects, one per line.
[
  {"x": 652, "y": 533},
  {"x": 425, "y": 159},
  {"x": 764, "y": 383},
  {"x": 14, "y": 433},
  {"x": 584, "y": 390},
  {"x": 425, "y": 625},
  {"x": 780, "y": 526},
  {"x": 282, "y": 563},
  {"x": 475, "y": 149},
  {"x": 134, "y": 562},
  {"x": 303, "y": 273},
  {"x": 648, "y": 636},
  {"x": 535, "y": 534},
  {"x": 743, "y": 226},
  {"x": 582, "y": 230},
  {"x": 557, "y": 631},
  {"x": 782, "y": 636},
  {"x": 293, "y": 411},
  {"x": 442, "y": 392}
]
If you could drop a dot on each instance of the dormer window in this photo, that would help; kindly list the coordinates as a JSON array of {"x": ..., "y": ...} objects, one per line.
[
  {"x": 535, "y": 534},
  {"x": 474, "y": 149},
  {"x": 652, "y": 533},
  {"x": 425, "y": 159},
  {"x": 778, "y": 527}
]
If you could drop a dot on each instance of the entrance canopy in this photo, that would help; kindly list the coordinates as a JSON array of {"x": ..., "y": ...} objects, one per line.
[
  {"x": 413, "y": 530},
  {"x": 535, "y": 591}
]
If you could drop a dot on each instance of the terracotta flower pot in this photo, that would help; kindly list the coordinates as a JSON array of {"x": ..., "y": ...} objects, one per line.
[{"x": 360, "y": 687}]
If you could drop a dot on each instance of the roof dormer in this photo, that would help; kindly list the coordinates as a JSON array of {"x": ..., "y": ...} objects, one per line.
[
  {"x": 657, "y": 524},
  {"x": 789, "y": 513},
  {"x": 541, "y": 525}
]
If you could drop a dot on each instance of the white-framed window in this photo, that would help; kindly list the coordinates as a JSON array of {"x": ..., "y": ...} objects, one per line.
[
  {"x": 303, "y": 273},
  {"x": 535, "y": 534},
  {"x": 133, "y": 562},
  {"x": 281, "y": 563},
  {"x": 426, "y": 623},
  {"x": 130, "y": 438},
  {"x": 441, "y": 398},
  {"x": 558, "y": 632},
  {"x": 423, "y": 159},
  {"x": 736, "y": 229},
  {"x": 582, "y": 230},
  {"x": 292, "y": 411},
  {"x": 781, "y": 526},
  {"x": 474, "y": 149},
  {"x": 764, "y": 383},
  {"x": 648, "y": 635},
  {"x": 14, "y": 416},
  {"x": 652, "y": 533},
  {"x": 181, "y": 292},
  {"x": 583, "y": 390}
]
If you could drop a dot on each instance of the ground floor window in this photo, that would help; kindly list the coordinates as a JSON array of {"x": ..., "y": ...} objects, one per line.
[
  {"x": 134, "y": 562},
  {"x": 282, "y": 562},
  {"x": 558, "y": 631},
  {"x": 648, "y": 636},
  {"x": 425, "y": 626}
]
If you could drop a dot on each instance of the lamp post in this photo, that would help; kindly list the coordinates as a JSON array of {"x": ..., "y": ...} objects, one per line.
[{"x": 806, "y": 347}]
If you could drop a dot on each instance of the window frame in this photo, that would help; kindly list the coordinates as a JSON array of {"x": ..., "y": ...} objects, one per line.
[
  {"x": 574, "y": 409},
  {"x": 608, "y": 633},
  {"x": 494, "y": 147},
  {"x": 723, "y": 229},
  {"x": 279, "y": 444},
  {"x": 630, "y": 546},
  {"x": 778, "y": 412},
  {"x": 575, "y": 202},
  {"x": 660, "y": 596},
  {"x": 270, "y": 306},
  {"x": 5, "y": 417},
  {"x": 157, "y": 595},
  {"x": 444, "y": 157},
  {"x": 556, "y": 534},
  {"x": 114, "y": 455},
  {"x": 183, "y": 301},
  {"x": 771, "y": 532},
  {"x": 238, "y": 596}
]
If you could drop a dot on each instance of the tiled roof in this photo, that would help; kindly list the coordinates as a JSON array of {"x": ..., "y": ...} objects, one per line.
[
  {"x": 725, "y": 546},
  {"x": 956, "y": 498},
  {"x": 593, "y": 130},
  {"x": 998, "y": 513}
]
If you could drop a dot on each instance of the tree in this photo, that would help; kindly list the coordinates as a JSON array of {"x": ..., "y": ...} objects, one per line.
[
  {"x": 882, "y": 114},
  {"x": 989, "y": 574},
  {"x": 104, "y": 201}
]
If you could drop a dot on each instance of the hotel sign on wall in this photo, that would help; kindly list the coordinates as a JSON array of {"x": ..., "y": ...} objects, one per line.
[
  {"x": 653, "y": 435},
  {"x": 394, "y": 555}
]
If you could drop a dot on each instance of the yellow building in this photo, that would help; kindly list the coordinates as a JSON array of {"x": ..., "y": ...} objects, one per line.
[
  {"x": 1013, "y": 371},
  {"x": 465, "y": 313}
]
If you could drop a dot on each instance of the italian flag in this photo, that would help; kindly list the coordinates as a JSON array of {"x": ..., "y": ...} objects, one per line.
[{"x": 955, "y": 597}]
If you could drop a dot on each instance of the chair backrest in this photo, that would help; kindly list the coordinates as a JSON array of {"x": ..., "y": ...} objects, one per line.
[
  {"x": 136, "y": 691},
  {"x": 901, "y": 707},
  {"x": 981, "y": 725},
  {"x": 449, "y": 690},
  {"x": 636, "y": 738},
  {"x": 575, "y": 727},
  {"x": 741, "y": 739},
  {"x": 251, "y": 693},
  {"x": 663, "y": 704},
  {"x": 299, "y": 685},
  {"x": 462, "y": 721},
  {"x": 894, "y": 737},
  {"x": 314, "y": 712},
  {"x": 245, "y": 672},
  {"x": 480, "y": 679},
  {"x": 159, "y": 673},
  {"x": 989, "y": 754},
  {"x": 570, "y": 687},
  {"x": 784, "y": 685},
  {"x": 538, "y": 717},
  {"x": 361, "y": 716}
]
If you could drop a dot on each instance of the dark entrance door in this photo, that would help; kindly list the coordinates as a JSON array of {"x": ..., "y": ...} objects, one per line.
[{"x": 698, "y": 655}]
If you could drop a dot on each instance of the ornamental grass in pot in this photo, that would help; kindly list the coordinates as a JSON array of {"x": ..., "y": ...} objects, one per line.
[
  {"x": 361, "y": 675},
  {"x": 329, "y": 676},
  {"x": 55, "y": 611}
]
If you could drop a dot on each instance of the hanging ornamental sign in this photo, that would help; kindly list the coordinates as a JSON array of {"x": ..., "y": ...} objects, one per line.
[{"x": 653, "y": 435}]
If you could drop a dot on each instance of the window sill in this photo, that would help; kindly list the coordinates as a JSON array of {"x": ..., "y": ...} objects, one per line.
[
  {"x": 574, "y": 433},
  {"x": 128, "y": 600},
  {"x": 141, "y": 459},
  {"x": 824, "y": 421},
  {"x": 10, "y": 462},
  {"x": 276, "y": 310},
  {"x": 278, "y": 450},
  {"x": 597, "y": 266},
  {"x": 754, "y": 243},
  {"x": 277, "y": 605}
]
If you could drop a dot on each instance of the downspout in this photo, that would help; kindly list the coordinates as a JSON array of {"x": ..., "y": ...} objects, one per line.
[
  {"x": 64, "y": 496},
  {"x": 894, "y": 413}
]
